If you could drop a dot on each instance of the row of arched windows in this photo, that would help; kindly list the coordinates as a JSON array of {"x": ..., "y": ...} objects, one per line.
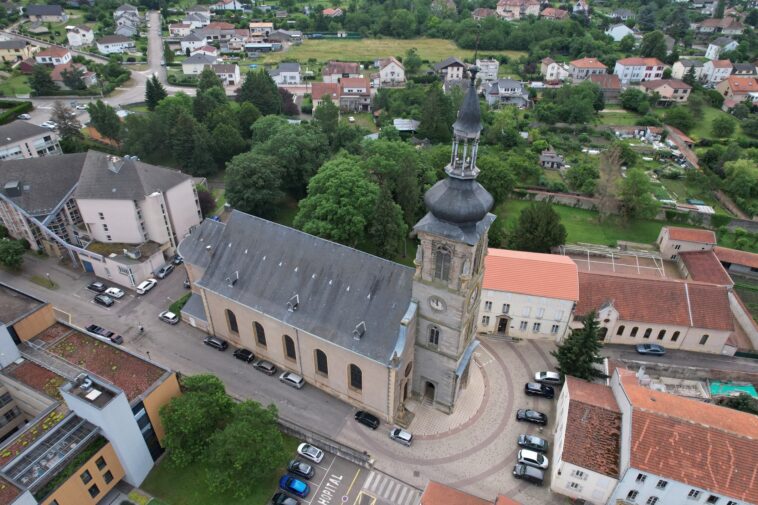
[{"x": 648, "y": 332}]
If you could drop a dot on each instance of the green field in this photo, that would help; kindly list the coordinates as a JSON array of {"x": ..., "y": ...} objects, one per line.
[
  {"x": 15, "y": 85},
  {"x": 702, "y": 127},
  {"x": 618, "y": 117},
  {"x": 433, "y": 50}
]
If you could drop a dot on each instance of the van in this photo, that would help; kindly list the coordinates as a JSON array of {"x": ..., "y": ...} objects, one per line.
[{"x": 529, "y": 474}]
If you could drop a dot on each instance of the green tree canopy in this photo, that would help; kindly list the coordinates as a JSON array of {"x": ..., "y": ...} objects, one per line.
[
  {"x": 387, "y": 229},
  {"x": 326, "y": 117},
  {"x": 259, "y": 89},
  {"x": 653, "y": 45},
  {"x": 69, "y": 126},
  {"x": 226, "y": 143},
  {"x": 207, "y": 80},
  {"x": 154, "y": 92},
  {"x": 74, "y": 78},
  {"x": 412, "y": 61},
  {"x": 496, "y": 176},
  {"x": 437, "y": 116},
  {"x": 742, "y": 402},
  {"x": 246, "y": 116},
  {"x": 583, "y": 177},
  {"x": 723, "y": 126},
  {"x": 538, "y": 229},
  {"x": 190, "y": 145},
  {"x": 253, "y": 183},
  {"x": 579, "y": 353},
  {"x": 105, "y": 120},
  {"x": 679, "y": 117},
  {"x": 41, "y": 82},
  {"x": 11, "y": 253},
  {"x": 635, "y": 194}
]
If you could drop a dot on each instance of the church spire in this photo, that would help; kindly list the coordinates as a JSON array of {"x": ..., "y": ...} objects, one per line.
[{"x": 466, "y": 131}]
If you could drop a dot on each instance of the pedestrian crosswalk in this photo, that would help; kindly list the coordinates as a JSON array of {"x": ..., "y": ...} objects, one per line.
[{"x": 390, "y": 491}]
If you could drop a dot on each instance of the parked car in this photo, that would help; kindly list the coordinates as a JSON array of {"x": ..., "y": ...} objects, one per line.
[
  {"x": 97, "y": 287},
  {"x": 23, "y": 116},
  {"x": 283, "y": 499},
  {"x": 367, "y": 419},
  {"x": 50, "y": 125},
  {"x": 537, "y": 389},
  {"x": 104, "y": 300},
  {"x": 146, "y": 286},
  {"x": 168, "y": 317},
  {"x": 215, "y": 342},
  {"x": 310, "y": 452},
  {"x": 99, "y": 330},
  {"x": 115, "y": 293},
  {"x": 244, "y": 355},
  {"x": 532, "y": 442},
  {"x": 187, "y": 284},
  {"x": 292, "y": 379},
  {"x": 264, "y": 366},
  {"x": 117, "y": 339},
  {"x": 531, "y": 416},
  {"x": 300, "y": 468},
  {"x": 652, "y": 349},
  {"x": 295, "y": 486},
  {"x": 529, "y": 474},
  {"x": 552, "y": 378},
  {"x": 401, "y": 436},
  {"x": 178, "y": 260},
  {"x": 533, "y": 458},
  {"x": 164, "y": 270}
]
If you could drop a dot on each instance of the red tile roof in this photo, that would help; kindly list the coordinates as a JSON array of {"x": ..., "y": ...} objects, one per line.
[
  {"x": 745, "y": 258},
  {"x": 704, "y": 266},
  {"x": 440, "y": 494},
  {"x": 546, "y": 275},
  {"x": 319, "y": 89},
  {"x": 587, "y": 63},
  {"x": 483, "y": 12},
  {"x": 593, "y": 428},
  {"x": 692, "y": 235},
  {"x": 672, "y": 83},
  {"x": 551, "y": 12},
  {"x": 56, "y": 74},
  {"x": 697, "y": 443},
  {"x": 606, "y": 81},
  {"x": 504, "y": 500},
  {"x": 657, "y": 301},
  {"x": 638, "y": 62},
  {"x": 219, "y": 25},
  {"x": 355, "y": 82},
  {"x": 739, "y": 85},
  {"x": 55, "y": 52}
]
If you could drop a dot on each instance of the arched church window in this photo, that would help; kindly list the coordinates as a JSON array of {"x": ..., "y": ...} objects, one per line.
[{"x": 442, "y": 263}]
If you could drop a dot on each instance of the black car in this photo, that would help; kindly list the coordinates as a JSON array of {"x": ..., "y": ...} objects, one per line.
[
  {"x": 104, "y": 300},
  {"x": 244, "y": 355},
  {"x": 99, "y": 330},
  {"x": 283, "y": 499},
  {"x": 97, "y": 287},
  {"x": 532, "y": 442},
  {"x": 178, "y": 260},
  {"x": 367, "y": 419},
  {"x": 265, "y": 366},
  {"x": 531, "y": 416},
  {"x": 529, "y": 473},
  {"x": 117, "y": 339},
  {"x": 216, "y": 343},
  {"x": 537, "y": 389},
  {"x": 300, "y": 468}
]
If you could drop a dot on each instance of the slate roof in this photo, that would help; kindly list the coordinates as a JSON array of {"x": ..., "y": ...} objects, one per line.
[
  {"x": 113, "y": 39},
  {"x": 528, "y": 273},
  {"x": 19, "y": 130},
  {"x": 44, "y": 10},
  {"x": 744, "y": 67},
  {"x": 337, "y": 287},
  {"x": 692, "y": 235},
  {"x": 448, "y": 62},
  {"x": 193, "y": 37},
  {"x": 193, "y": 249},
  {"x": 200, "y": 59},
  {"x": 126, "y": 8},
  {"x": 704, "y": 266},
  {"x": 285, "y": 67},
  {"x": 38, "y": 196},
  {"x": 13, "y": 44},
  {"x": 722, "y": 41},
  {"x": 691, "y": 63},
  {"x": 133, "y": 181}
]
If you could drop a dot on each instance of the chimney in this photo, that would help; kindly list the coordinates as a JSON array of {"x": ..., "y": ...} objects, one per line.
[
  {"x": 12, "y": 189},
  {"x": 115, "y": 163}
]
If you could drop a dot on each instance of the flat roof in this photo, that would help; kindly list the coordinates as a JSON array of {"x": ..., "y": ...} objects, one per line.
[
  {"x": 37, "y": 377},
  {"x": 14, "y": 304},
  {"x": 16, "y": 445}
]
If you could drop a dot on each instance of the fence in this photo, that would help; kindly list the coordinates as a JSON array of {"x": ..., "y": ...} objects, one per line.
[{"x": 322, "y": 441}]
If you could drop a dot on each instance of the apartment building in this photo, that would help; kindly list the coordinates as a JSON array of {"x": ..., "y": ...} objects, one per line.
[
  {"x": 583, "y": 68},
  {"x": 553, "y": 71},
  {"x": 639, "y": 69},
  {"x": 16, "y": 50},
  {"x": 21, "y": 139}
]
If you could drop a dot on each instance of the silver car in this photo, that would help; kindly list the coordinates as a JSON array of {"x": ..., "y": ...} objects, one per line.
[
  {"x": 292, "y": 379},
  {"x": 401, "y": 436}
]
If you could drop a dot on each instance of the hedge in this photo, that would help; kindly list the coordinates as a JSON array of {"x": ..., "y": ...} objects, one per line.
[{"x": 14, "y": 109}]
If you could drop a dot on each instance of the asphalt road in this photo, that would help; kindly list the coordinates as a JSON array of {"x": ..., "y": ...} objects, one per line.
[{"x": 683, "y": 358}]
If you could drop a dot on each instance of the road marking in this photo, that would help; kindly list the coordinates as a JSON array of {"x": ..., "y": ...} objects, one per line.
[{"x": 354, "y": 479}]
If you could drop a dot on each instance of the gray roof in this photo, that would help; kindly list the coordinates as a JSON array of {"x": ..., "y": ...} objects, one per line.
[
  {"x": 285, "y": 67},
  {"x": 126, "y": 8},
  {"x": 722, "y": 41},
  {"x": 13, "y": 44},
  {"x": 195, "y": 308},
  {"x": 193, "y": 37},
  {"x": 44, "y": 10},
  {"x": 224, "y": 68},
  {"x": 38, "y": 196},
  {"x": 126, "y": 30},
  {"x": 19, "y": 130},
  {"x": 469, "y": 122},
  {"x": 447, "y": 62},
  {"x": 200, "y": 59},
  {"x": 193, "y": 248},
  {"x": 113, "y": 39},
  {"x": 337, "y": 287},
  {"x": 743, "y": 67},
  {"x": 691, "y": 63},
  {"x": 113, "y": 178}
]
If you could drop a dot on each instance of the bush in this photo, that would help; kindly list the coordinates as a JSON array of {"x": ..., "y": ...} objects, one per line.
[{"x": 14, "y": 108}]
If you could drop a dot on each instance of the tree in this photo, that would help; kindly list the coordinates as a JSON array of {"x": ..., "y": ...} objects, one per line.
[
  {"x": 696, "y": 103},
  {"x": 579, "y": 353},
  {"x": 326, "y": 116},
  {"x": 719, "y": 12},
  {"x": 74, "y": 78},
  {"x": 259, "y": 89},
  {"x": 690, "y": 77},
  {"x": 251, "y": 444},
  {"x": 69, "y": 126},
  {"x": 635, "y": 100},
  {"x": 207, "y": 202},
  {"x": 635, "y": 195},
  {"x": 679, "y": 117},
  {"x": 387, "y": 229},
  {"x": 246, "y": 116},
  {"x": 41, "y": 82},
  {"x": 646, "y": 18},
  {"x": 188, "y": 419},
  {"x": 289, "y": 107},
  {"x": 538, "y": 229},
  {"x": 667, "y": 73},
  {"x": 609, "y": 169},
  {"x": 11, "y": 253},
  {"x": 583, "y": 178},
  {"x": 653, "y": 45},
  {"x": 742, "y": 402},
  {"x": 226, "y": 143},
  {"x": 679, "y": 23},
  {"x": 154, "y": 92},
  {"x": 436, "y": 116},
  {"x": 105, "y": 120},
  {"x": 207, "y": 80},
  {"x": 412, "y": 61},
  {"x": 253, "y": 183},
  {"x": 168, "y": 53},
  {"x": 208, "y": 101},
  {"x": 626, "y": 44},
  {"x": 191, "y": 146},
  {"x": 341, "y": 198},
  {"x": 723, "y": 126},
  {"x": 496, "y": 177}
]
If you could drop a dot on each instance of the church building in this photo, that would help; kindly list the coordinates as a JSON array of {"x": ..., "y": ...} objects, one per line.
[{"x": 369, "y": 331}]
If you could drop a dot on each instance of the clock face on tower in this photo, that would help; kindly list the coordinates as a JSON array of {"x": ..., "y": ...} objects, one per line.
[{"x": 437, "y": 303}]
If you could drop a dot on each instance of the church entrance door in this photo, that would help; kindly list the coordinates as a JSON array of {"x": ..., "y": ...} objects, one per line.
[
  {"x": 502, "y": 325},
  {"x": 429, "y": 391}
]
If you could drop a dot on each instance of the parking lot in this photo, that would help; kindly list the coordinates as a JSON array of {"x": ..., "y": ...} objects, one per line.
[{"x": 335, "y": 481}]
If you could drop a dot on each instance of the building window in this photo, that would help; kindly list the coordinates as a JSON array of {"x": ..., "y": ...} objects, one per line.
[
  {"x": 731, "y": 502},
  {"x": 554, "y": 329},
  {"x": 574, "y": 485},
  {"x": 632, "y": 495},
  {"x": 108, "y": 237},
  {"x": 540, "y": 312},
  {"x": 86, "y": 476},
  {"x": 487, "y": 306},
  {"x": 661, "y": 334},
  {"x": 506, "y": 308},
  {"x": 485, "y": 320},
  {"x": 5, "y": 399},
  {"x": 536, "y": 327},
  {"x": 322, "y": 366},
  {"x": 712, "y": 499},
  {"x": 678, "y": 246},
  {"x": 523, "y": 325},
  {"x": 94, "y": 491},
  {"x": 100, "y": 215},
  {"x": 108, "y": 477},
  {"x": 434, "y": 335},
  {"x": 703, "y": 339},
  {"x": 289, "y": 348},
  {"x": 652, "y": 500},
  {"x": 105, "y": 227},
  {"x": 356, "y": 377},
  {"x": 661, "y": 484},
  {"x": 558, "y": 315},
  {"x": 620, "y": 331},
  {"x": 526, "y": 311},
  {"x": 579, "y": 474},
  {"x": 442, "y": 263},
  {"x": 231, "y": 321},
  {"x": 634, "y": 332},
  {"x": 675, "y": 336},
  {"x": 260, "y": 334},
  {"x": 100, "y": 462},
  {"x": 647, "y": 333},
  {"x": 641, "y": 477},
  {"x": 694, "y": 494}
]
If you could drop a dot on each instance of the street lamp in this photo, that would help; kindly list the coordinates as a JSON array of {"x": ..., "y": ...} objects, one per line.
[{"x": 148, "y": 355}]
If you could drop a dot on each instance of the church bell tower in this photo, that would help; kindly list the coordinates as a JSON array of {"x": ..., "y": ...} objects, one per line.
[{"x": 449, "y": 265}]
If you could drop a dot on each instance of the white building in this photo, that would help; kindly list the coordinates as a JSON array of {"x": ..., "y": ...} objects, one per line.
[
  {"x": 53, "y": 55},
  {"x": 451, "y": 69},
  {"x": 672, "y": 240},
  {"x": 196, "y": 63},
  {"x": 228, "y": 73},
  {"x": 115, "y": 44},
  {"x": 553, "y": 71},
  {"x": 528, "y": 295},
  {"x": 391, "y": 72},
  {"x": 488, "y": 69},
  {"x": 715, "y": 71},
  {"x": 20, "y": 139},
  {"x": 618, "y": 31},
  {"x": 286, "y": 73},
  {"x": 180, "y": 29},
  {"x": 681, "y": 68},
  {"x": 192, "y": 42},
  {"x": 638, "y": 69},
  {"x": 81, "y": 35},
  {"x": 583, "y": 68},
  {"x": 719, "y": 46}
]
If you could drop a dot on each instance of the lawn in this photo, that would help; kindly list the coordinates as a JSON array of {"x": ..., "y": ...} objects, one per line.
[
  {"x": 682, "y": 191},
  {"x": 15, "y": 85},
  {"x": 187, "y": 486},
  {"x": 618, "y": 117},
  {"x": 702, "y": 127},
  {"x": 433, "y": 50}
]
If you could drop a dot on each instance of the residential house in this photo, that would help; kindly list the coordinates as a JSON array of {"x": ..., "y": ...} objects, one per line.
[
  {"x": 682, "y": 67},
  {"x": 744, "y": 70},
  {"x": 488, "y": 69},
  {"x": 261, "y": 28},
  {"x": 440, "y": 494},
  {"x": 554, "y": 14},
  {"x": 552, "y": 71},
  {"x": 507, "y": 92},
  {"x": 191, "y": 42},
  {"x": 180, "y": 29},
  {"x": 21, "y": 139},
  {"x": 228, "y": 73},
  {"x": 56, "y": 74},
  {"x": 551, "y": 160},
  {"x": 196, "y": 20},
  {"x": 715, "y": 71},
  {"x": 289, "y": 36},
  {"x": 527, "y": 295},
  {"x": 115, "y": 44},
  {"x": 332, "y": 13},
  {"x": 719, "y": 46},
  {"x": 739, "y": 89},
  {"x": 622, "y": 14},
  {"x": 333, "y": 71},
  {"x": 670, "y": 91},
  {"x": 514, "y": 10},
  {"x": 127, "y": 30},
  {"x": 53, "y": 55},
  {"x": 126, "y": 15},
  {"x": 322, "y": 90},
  {"x": 391, "y": 72},
  {"x": 587, "y": 444},
  {"x": 355, "y": 94},
  {"x": 101, "y": 424},
  {"x": 206, "y": 50},
  {"x": 281, "y": 14},
  {"x": 227, "y": 5},
  {"x": 482, "y": 12},
  {"x": 609, "y": 84},
  {"x": 81, "y": 35},
  {"x": 672, "y": 240},
  {"x": 581, "y": 8},
  {"x": 583, "y": 68},
  {"x": 46, "y": 13},
  {"x": 286, "y": 73},
  {"x": 739, "y": 263},
  {"x": 639, "y": 69},
  {"x": 726, "y": 26},
  {"x": 450, "y": 69},
  {"x": 618, "y": 32},
  {"x": 14, "y": 50},
  {"x": 195, "y": 64}
]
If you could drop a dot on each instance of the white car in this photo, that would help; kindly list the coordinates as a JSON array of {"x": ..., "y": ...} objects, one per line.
[
  {"x": 168, "y": 317},
  {"x": 532, "y": 458},
  {"x": 23, "y": 116},
  {"x": 50, "y": 125},
  {"x": 311, "y": 452},
  {"x": 115, "y": 293},
  {"x": 81, "y": 107},
  {"x": 146, "y": 286},
  {"x": 401, "y": 436},
  {"x": 551, "y": 378}
]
